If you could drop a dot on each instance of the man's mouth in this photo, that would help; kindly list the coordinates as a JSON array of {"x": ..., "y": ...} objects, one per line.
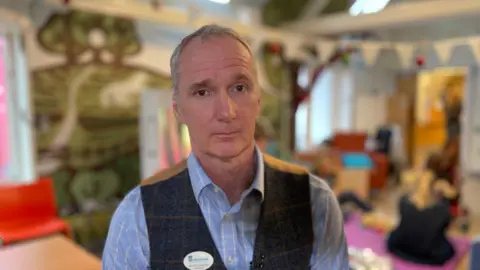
[{"x": 226, "y": 135}]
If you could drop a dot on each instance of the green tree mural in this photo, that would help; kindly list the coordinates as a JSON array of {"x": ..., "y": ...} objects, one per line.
[
  {"x": 70, "y": 34},
  {"x": 90, "y": 150},
  {"x": 56, "y": 36},
  {"x": 122, "y": 38}
]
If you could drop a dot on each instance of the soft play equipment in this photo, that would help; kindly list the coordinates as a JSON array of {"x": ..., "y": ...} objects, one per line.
[
  {"x": 360, "y": 237},
  {"x": 355, "y": 142},
  {"x": 29, "y": 211},
  {"x": 352, "y": 160}
]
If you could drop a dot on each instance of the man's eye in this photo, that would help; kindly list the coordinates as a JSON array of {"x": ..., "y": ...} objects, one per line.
[
  {"x": 240, "y": 88},
  {"x": 201, "y": 93}
]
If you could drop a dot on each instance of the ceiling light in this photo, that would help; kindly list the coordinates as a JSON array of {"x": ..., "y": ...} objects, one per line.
[
  {"x": 223, "y": 2},
  {"x": 367, "y": 6}
]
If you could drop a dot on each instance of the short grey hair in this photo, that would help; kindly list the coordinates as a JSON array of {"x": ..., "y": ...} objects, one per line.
[{"x": 205, "y": 32}]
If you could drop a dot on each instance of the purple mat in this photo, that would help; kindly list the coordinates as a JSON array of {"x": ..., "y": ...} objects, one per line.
[{"x": 360, "y": 237}]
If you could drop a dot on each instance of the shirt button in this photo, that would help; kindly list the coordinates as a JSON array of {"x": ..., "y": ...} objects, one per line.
[
  {"x": 227, "y": 216},
  {"x": 216, "y": 189},
  {"x": 230, "y": 259}
]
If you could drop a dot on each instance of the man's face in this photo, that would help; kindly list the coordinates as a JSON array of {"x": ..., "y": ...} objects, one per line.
[{"x": 218, "y": 97}]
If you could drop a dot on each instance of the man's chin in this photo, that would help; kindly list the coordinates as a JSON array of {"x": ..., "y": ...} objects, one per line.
[{"x": 227, "y": 151}]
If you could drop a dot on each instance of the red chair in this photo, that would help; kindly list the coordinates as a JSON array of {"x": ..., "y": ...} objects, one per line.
[
  {"x": 29, "y": 212},
  {"x": 350, "y": 141}
]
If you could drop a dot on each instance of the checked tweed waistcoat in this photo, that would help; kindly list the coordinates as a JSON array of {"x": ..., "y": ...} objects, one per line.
[{"x": 176, "y": 226}]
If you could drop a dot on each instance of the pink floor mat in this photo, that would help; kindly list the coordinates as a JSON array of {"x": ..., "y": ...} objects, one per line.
[{"x": 360, "y": 237}]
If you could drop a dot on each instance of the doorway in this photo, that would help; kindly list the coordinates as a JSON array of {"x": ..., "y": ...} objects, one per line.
[{"x": 438, "y": 104}]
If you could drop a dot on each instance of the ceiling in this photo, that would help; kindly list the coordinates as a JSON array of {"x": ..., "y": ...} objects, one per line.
[
  {"x": 282, "y": 13},
  {"x": 433, "y": 30},
  {"x": 272, "y": 12}
]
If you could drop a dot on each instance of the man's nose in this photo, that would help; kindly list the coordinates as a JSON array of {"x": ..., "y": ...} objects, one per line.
[{"x": 226, "y": 107}]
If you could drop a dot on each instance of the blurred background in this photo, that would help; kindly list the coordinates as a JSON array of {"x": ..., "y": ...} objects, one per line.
[{"x": 363, "y": 91}]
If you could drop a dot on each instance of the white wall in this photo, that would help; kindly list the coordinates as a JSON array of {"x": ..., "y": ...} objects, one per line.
[
  {"x": 470, "y": 142},
  {"x": 471, "y": 124},
  {"x": 371, "y": 89}
]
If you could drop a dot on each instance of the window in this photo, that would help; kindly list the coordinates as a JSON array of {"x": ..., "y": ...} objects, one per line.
[
  {"x": 301, "y": 127},
  {"x": 329, "y": 108},
  {"x": 367, "y": 6},
  {"x": 321, "y": 109},
  {"x": 313, "y": 119}
]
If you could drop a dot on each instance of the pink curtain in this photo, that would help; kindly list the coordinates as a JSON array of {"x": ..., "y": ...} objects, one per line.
[{"x": 4, "y": 149}]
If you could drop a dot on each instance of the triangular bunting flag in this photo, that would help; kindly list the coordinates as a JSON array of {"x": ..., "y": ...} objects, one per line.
[
  {"x": 370, "y": 52},
  {"x": 474, "y": 44},
  {"x": 325, "y": 49},
  {"x": 444, "y": 50},
  {"x": 194, "y": 12},
  {"x": 405, "y": 54}
]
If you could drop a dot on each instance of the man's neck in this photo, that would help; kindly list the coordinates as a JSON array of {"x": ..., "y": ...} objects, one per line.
[{"x": 233, "y": 175}]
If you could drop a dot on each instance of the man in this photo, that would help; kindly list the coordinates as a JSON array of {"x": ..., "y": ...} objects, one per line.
[
  {"x": 227, "y": 203},
  {"x": 452, "y": 104}
]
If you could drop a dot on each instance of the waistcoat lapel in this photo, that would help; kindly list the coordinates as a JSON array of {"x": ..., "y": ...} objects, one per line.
[
  {"x": 284, "y": 237},
  {"x": 176, "y": 231}
]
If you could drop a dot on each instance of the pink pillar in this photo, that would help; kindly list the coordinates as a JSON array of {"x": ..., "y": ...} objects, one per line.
[{"x": 4, "y": 145}]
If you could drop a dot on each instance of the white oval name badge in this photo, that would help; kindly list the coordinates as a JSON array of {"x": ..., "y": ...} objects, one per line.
[{"x": 198, "y": 260}]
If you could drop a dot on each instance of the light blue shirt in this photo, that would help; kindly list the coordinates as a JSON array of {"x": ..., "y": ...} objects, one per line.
[{"x": 233, "y": 228}]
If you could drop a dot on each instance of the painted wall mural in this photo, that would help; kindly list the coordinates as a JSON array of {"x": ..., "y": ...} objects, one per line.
[
  {"x": 86, "y": 112},
  {"x": 276, "y": 95}
]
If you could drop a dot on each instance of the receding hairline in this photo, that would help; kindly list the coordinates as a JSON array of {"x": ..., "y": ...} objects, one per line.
[
  {"x": 201, "y": 40},
  {"x": 204, "y": 33}
]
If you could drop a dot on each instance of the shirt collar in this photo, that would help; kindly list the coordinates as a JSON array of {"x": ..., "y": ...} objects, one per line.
[{"x": 200, "y": 179}]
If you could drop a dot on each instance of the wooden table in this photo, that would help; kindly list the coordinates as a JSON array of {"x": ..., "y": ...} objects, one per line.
[{"x": 50, "y": 253}]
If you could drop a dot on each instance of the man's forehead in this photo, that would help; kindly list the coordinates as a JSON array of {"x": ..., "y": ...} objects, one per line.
[
  {"x": 213, "y": 49},
  {"x": 215, "y": 57}
]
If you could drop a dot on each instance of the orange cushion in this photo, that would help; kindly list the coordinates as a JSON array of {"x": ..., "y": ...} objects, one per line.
[{"x": 15, "y": 231}]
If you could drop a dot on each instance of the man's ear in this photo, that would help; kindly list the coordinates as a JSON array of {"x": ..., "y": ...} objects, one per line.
[
  {"x": 259, "y": 100},
  {"x": 177, "y": 113}
]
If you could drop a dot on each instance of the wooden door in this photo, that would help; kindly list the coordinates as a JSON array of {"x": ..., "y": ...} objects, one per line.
[{"x": 401, "y": 110}]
